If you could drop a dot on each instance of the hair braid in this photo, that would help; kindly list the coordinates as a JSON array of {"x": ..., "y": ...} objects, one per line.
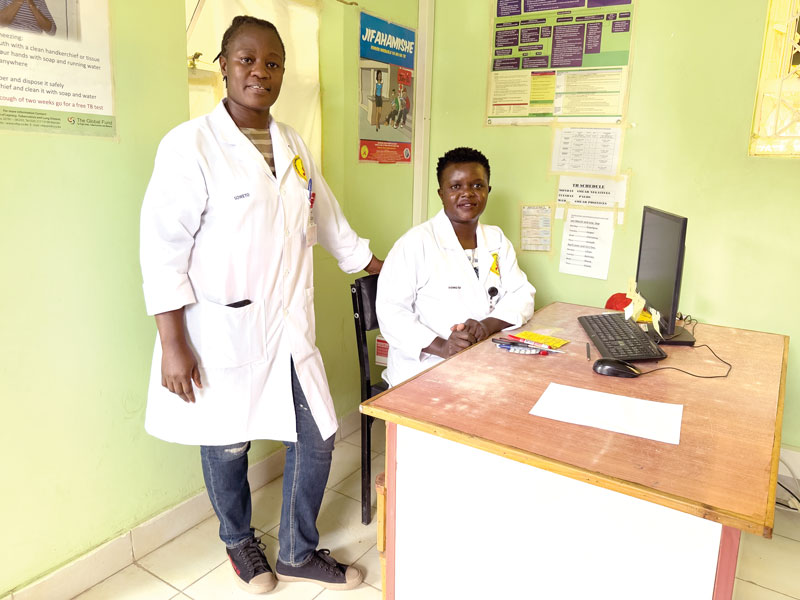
[{"x": 243, "y": 21}]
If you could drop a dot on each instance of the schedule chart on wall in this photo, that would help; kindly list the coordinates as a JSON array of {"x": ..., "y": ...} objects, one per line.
[
  {"x": 559, "y": 60},
  {"x": 586, "y": 150}
]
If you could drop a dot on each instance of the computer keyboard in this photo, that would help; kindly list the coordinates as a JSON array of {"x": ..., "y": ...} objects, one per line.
[{"x": 616, "y": 337}]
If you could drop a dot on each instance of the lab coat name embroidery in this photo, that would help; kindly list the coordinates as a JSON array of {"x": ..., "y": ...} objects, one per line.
[
  {"x": 495, "y": 268},
  {"x": 240, "y": 196},
  {"x": 453, "y": 287}
]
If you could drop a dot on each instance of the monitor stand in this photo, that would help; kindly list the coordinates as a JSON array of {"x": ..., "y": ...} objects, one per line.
[{"x": 681, "y": 337}]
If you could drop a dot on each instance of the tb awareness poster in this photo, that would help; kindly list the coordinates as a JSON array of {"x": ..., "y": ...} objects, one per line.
[
  {"x": 386, "y": 90},
  {"x": 559, "y": 60},
  {"x": 55, "y": 67}
]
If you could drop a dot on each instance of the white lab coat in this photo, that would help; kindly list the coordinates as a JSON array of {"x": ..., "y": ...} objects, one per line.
[
  {"x": 217, "y": 228},
  {"x": 427, "y": 285}
]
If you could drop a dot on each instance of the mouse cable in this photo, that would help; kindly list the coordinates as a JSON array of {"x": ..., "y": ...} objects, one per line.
[
  {"x": 791, "y": 472},
  {"x": 785, "y": 507},
  {"x": 688, "y": 320},
  {"x": 693, "y": 374},
  {"x": 790, "y": 491}
]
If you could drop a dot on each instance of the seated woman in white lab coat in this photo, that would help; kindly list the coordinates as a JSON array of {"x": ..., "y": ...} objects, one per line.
[
  {"x": 234, "y": 206},
  {"x": 451, "y": 281}
]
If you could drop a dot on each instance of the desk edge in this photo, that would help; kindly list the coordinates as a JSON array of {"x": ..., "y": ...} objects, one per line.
[
  {"x": 769, "y": 516},
  {"x": 718, "y": 515}
]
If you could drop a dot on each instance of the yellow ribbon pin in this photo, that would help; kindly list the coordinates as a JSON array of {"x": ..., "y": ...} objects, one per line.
[
  {"x": 297, "y": 162},
  {"x": 495, "y": 268}
]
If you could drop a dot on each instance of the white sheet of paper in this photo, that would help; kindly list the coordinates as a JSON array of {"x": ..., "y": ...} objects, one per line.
[
  {"x": 628, "y": 311},
  {"x": 586, "y": 150},
  {"x": 656, "y": 321},
  {"x": 537, "y": 227},
  {"x": 586, "y": 243},
  {"x": 657, "y": 421},
  {"x": 510, "y": 94},
  {"x": 594, "y": 192}
]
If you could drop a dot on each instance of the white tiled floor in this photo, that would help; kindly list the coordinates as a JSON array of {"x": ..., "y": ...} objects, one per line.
[
  {"x": 770, "y": 569},
  {"x": 193, "y": 566}
]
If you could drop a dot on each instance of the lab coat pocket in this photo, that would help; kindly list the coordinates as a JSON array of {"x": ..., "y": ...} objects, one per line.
[{"x": 225, "y": 337}]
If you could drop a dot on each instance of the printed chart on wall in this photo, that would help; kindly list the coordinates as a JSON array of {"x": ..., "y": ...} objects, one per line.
[
  {"x": 386, "y": 84},
  {"x": 592, "y": 192},
  {"x": 586, "y": 243},
  {"x": 559, "y": 60},
  {"x": 536, "y": 227},
  {"x": 55, "y": 67}
]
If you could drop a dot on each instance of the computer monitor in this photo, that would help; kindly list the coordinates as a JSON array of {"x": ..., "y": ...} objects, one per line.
[{"x": 660, "y": 268}]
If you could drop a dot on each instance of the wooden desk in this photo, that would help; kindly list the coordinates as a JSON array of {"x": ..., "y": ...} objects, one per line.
[{"x": 724, "y": 469}]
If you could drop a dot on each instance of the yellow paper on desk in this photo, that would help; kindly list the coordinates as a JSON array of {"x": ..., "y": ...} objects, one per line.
[{"x": 531, "y": 336}]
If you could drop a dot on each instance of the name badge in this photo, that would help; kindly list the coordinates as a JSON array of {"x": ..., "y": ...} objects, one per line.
[{"x": 311, "y": 234}]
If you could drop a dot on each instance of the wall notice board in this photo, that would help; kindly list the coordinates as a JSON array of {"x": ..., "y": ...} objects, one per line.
[{"x": 559, "y": 60}]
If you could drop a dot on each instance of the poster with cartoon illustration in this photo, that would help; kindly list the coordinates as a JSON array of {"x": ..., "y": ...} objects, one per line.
[{"x": 386, "y": 91}]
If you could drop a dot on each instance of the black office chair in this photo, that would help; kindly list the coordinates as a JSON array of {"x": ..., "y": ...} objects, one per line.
[{"x": 365, "y": 317}]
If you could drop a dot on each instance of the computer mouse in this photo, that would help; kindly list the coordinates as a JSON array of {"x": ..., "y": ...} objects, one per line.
[{"x": 615, "y": 368}]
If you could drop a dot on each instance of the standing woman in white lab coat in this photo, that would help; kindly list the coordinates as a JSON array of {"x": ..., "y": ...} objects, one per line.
[
  {"x": 451, "y": 281},
  {"x": 233, "y": 209}
]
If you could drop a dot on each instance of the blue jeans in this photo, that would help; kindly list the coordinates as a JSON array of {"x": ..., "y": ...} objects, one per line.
[{"x": 305, "y": 474}]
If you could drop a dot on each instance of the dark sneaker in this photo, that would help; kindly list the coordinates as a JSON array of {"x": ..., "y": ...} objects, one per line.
[
  {"x": 323, "y": 570},
  {"x": 250, "y": 566}
]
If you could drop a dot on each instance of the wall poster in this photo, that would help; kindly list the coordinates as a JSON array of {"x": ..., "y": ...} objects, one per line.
[
  {"x": 386, "y": 84},
  {"x": 55, "y": 67},
  {"x": 559, "y": 60},
  {"x": 536, "y": 226},
  {"x": 586, "y": 243}
]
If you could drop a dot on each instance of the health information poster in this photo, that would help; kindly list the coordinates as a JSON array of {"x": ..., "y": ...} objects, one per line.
[
  {"x": 386, "y": 91},
  {"x": 55, "y": 68},
  {"x": 559, "y": 60}
]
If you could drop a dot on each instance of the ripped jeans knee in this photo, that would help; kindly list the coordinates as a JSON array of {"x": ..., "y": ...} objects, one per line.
[{"x": 225, "y": 453}]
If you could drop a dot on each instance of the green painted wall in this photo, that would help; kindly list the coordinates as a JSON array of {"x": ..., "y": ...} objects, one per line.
[
  {"x": 77, "y": 467},
  {"x": 375, "y": 198},
  {"x": 692, "y": 93}
]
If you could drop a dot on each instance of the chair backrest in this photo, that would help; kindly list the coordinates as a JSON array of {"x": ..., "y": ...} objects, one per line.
[{"x": 365, "y": 317}]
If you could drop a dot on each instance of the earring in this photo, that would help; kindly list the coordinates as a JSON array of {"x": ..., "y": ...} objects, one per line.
[{"x": 225, "y": 80}]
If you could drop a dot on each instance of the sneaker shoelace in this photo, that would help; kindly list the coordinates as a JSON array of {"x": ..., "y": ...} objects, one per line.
[
  {"x": 253, "y": 556},
  {"x": 328, "y": 563}
]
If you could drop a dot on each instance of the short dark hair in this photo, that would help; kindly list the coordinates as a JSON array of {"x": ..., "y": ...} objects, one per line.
[
  {"x": 461, "y": 155},
  {"x": 244, "y": 21}
]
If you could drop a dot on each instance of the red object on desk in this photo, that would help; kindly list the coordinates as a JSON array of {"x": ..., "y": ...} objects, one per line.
[{"x": 617, "y": 301}]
